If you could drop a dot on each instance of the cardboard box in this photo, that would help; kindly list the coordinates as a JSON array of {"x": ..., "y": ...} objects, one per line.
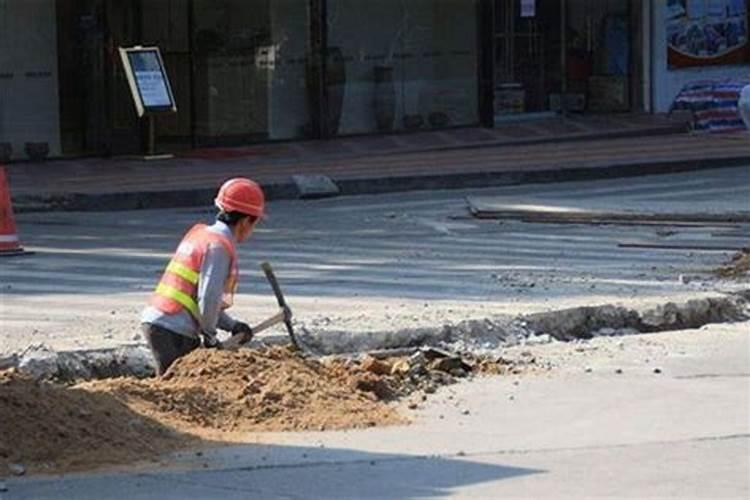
[
  {"x": 573, "y": 102},
  {"x": 509, "y": 100},
  {"x": 609, "y": 93}
]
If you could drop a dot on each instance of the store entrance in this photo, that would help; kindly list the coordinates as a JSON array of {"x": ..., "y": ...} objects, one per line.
[
  {"x": 239, "y": 71},
  {"x": 571, "y": 56},
  {"x": 527, "y": 55}
]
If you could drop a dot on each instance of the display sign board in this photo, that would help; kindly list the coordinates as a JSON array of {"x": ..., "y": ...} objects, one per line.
[
  {"x": 707, "y": 32},
  {"x": 528, "y": 8},
  {"x": 149, "y": 84}
]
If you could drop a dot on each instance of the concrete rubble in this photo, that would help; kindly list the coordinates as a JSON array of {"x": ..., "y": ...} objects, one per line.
[
  {"x": 493, "y": 333},
  {"x": 41, "y": 362},
  {"x": 478, "y": 337}
]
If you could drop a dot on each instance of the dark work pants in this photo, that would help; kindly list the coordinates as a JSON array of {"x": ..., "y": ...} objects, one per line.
[{"x": 167, "y": 346}]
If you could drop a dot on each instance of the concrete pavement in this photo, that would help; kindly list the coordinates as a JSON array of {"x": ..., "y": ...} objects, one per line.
[{"x": 603, "y": 423}]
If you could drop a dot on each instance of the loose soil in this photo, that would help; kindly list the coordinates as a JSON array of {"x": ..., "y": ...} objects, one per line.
[
  {"x": 266, "y": 390},
  {"x": 47, "y": 427},
  {"x": 213, "y": 396}
]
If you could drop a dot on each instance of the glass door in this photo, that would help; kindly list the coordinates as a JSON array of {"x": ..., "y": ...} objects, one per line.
[
  {"x": 249, "y": 67},
  {"x": 526, "y": 55},
  {"x": 401, "y": 65},
  {"x": 165, "y": 24},
  {"x": 81, "y": 36}
]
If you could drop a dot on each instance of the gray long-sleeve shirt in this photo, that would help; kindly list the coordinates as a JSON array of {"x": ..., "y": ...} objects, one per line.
[{"x": 213, "y": 275}]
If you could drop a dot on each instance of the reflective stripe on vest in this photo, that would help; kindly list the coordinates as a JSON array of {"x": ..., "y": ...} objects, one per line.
[
  {"x": 184, "y": 299},
  {"x": 183, "y": 272},
  {"x": 178, "y": 286}
]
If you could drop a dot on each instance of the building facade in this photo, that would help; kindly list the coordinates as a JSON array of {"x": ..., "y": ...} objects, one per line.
[{"x": 248, "y": 71}]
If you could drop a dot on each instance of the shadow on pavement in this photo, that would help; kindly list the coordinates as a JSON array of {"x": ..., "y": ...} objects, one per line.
[{"x": 267, "y": 471}]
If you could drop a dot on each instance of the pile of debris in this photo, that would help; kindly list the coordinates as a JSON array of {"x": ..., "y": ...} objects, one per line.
[
  {"x": 270, "y": 389},
  {"x": 396, "y": 377},
  {"x": 214, "y": 394}
]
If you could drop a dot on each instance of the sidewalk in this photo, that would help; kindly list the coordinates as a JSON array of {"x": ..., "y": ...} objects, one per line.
[{"x": 521, "y": 152}]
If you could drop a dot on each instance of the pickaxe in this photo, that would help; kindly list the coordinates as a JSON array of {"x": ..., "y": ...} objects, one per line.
[{"x": 284, "y": 315}]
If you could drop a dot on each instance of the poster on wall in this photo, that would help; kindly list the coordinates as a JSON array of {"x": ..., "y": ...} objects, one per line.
[{"x": 707, "y": 32}]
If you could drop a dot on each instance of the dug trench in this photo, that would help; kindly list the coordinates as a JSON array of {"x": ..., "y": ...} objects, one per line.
[{"x": 72, "y": 411}]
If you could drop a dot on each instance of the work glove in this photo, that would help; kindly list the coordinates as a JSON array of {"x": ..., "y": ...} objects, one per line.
[
  {"x": 210, "y": 341},
  {"x": 242, "y": 328}
]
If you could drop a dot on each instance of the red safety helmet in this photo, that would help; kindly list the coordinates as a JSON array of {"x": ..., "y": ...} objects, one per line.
[{"x": 241, "y": 195}]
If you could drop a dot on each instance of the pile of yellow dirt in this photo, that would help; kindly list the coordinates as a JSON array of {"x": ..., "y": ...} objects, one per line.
[
  {"x": 208, "y": 394},
  {"x": 49, "y": 427},
  {"x": 266, "y": 390}
]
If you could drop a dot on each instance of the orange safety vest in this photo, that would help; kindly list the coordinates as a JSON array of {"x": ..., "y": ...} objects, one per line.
[{"x": 177, "y": 289}]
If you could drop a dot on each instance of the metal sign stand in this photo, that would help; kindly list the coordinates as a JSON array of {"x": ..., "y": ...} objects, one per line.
[
  {"x": 150, "y": 153},
  {"x": 151, "y": 92}
]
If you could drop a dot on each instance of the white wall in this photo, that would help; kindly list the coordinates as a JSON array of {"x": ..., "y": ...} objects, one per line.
[
  {"x": 29, "y": 103},
  {"x": 667, "y": 83}
]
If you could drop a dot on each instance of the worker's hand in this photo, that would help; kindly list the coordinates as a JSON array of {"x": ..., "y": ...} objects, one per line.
[
  {"x": 242, "y": 328},
  {"x": 210, "y": 341}
]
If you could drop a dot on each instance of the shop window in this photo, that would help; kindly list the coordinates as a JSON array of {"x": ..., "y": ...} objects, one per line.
[
  {"x": 599, "y": 47},
  {"x": 396, "y": 65},
  {"x": 250, "y": 70}
]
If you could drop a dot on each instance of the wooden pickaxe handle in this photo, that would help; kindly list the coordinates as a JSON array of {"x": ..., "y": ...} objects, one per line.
[
  {"x": 236, "y": 341},
  {"x": 280, "y": 299}
]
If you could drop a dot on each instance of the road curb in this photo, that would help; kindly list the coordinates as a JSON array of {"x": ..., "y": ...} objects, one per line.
[
  {"x": 679, "y": 128},
  {"x": 287, "y": 189},
  {"x": 584, "y": 322},
  {"x": 479, "y": 335}
]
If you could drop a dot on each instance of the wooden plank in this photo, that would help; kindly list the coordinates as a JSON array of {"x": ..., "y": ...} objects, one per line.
[{"x": 704, "y": 246}]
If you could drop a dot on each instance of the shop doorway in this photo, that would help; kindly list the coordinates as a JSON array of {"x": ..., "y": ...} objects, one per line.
[
  {"x": 526, "y": 41},
  {"x": 82, "y": 69},
  {"x": 599, "y": 46},
  {"x": 238, "y": 70},
  {"x": 564, "y": 56}
]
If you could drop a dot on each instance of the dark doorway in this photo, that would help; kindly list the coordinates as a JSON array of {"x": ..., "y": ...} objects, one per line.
[
  {"x": 82, "y": 35},
  {"x": 526, "y": 55}
]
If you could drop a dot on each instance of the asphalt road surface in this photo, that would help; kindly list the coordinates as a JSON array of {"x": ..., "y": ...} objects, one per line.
[{"x": 384, "y": 262}]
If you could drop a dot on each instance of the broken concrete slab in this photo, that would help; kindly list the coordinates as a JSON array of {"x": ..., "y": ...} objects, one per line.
[
  {"x": 8, "y": 361},
  {"x": 487, "y": 336},
  {"x": 17, "y": 469},
  {"x": 492, "y": 333},
  {"x": 450, "y": 365},
  {"x": 41, "y": 362},
  {"x": 315, "y": 186},
  {"x": 376, "y": 366}
]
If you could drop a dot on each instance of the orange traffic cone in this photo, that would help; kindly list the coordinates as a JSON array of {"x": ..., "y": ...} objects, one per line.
[{"x": 9, "y": 242}]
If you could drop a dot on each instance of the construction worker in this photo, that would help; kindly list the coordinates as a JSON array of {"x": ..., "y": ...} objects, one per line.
[{"x": 199, "y": 282}]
